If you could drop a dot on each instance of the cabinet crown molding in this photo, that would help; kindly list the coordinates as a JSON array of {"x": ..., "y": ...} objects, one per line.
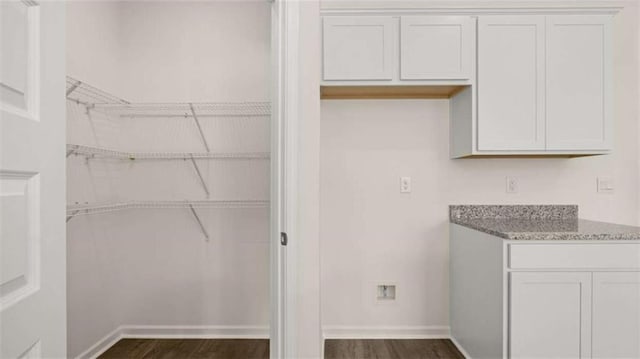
[{"x": 538, "y": 10}]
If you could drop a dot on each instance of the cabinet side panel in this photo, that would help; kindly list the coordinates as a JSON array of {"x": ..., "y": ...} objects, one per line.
[
  {"x": 476, "y": 292},
  {"x": 461, "y": 123}
]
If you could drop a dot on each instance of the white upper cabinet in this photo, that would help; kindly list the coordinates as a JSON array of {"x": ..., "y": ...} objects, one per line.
[
  {"x": 436, "y": 47},
  {"x": 511, "y": 68},
  {"x": 579, "y": 82},
  {"x": 359, "y": 47},
  {"x": 520, "y": 83},
  {"x": 398, "y": 50}
]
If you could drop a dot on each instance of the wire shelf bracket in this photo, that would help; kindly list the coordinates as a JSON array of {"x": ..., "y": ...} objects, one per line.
[
  {"x": 202, "y": 228},
  {"x": 195, "y": 118},
  {"x": 202, "y": 181}
]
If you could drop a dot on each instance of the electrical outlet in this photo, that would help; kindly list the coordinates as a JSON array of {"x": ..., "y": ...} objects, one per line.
[
  {"x": 405, "y": 184},
  {"x": 605, "y": 185},
  {"x": 512, "y": 185},
  {"x": 386, "y": 292}
]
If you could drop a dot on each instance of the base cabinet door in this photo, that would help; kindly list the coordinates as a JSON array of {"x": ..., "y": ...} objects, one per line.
[
  {"x": 550, "y": 315},
  {"x": 616, "y": 315}
]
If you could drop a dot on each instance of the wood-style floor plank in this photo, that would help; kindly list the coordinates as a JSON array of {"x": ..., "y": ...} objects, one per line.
[
  {"x": 188, "y": 348},
  {"x": 259, "y": 349},
  {"x": 391, "y": 349}
]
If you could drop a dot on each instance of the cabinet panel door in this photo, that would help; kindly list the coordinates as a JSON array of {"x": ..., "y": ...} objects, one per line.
[
  {"x": 359, "y": 48},
  {"x": 579, "y": 82},
  {"x": 616, "y": 315},
  {"x": 549, "y": 315},
  {"x": 436, "y": 47},
  {"x": 511, "y": 68}
]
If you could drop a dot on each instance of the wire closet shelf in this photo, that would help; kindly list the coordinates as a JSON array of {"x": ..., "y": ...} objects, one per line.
[
  {"x": 98, "y": 100},
  {"x": 99, "y": 152},
  {"x": 88, "y": 209},
  {"x": 94, "y": 99}
]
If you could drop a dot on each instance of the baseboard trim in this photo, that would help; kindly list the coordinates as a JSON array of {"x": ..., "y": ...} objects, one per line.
[
  {"x": 386, "y": 332},
  {"x": 202, "y": 332},
  {"x": 460, "y": 348},
  {"x": 175, "y": 332},
  {"x": 102, "y": 345}
]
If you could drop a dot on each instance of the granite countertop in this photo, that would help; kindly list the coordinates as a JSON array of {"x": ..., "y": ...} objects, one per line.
[{"x": 538, "y": 222}]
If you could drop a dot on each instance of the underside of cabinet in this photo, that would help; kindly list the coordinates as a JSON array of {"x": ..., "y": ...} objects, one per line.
[{"x": 389, "y": 92}]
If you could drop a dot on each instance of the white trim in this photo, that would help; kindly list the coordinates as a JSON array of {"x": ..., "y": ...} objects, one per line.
[
  {"x": 102, "y": 345},
  {"x": 175, "y": 332},
  {"x": 285, "y": 25},
  {"x": 386, "y": 332},
  {"x": 460, "y": 348},
  {"x": 542, "y": 10}
]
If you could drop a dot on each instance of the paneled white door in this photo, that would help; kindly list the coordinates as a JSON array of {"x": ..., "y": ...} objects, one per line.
[
  {"x": 579, "y": 82},
  {"x": 511, "y": 69},
  {"x": 616, "y": 315},
  {"x": 550, "y": 315},
  {"x": 32, "y": 180}
]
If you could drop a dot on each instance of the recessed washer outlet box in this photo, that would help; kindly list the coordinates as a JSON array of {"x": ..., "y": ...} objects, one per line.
[{"x": 386, "y": 292}]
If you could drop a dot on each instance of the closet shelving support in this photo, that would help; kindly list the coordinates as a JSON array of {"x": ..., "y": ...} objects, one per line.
[
  {"x": 94, "y": 99},
  {"x": 99, "y": 152},
  {"x": 191, "y": 205}
]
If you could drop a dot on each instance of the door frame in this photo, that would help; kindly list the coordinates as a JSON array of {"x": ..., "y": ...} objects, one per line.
[{"x": 284, "y": 125}]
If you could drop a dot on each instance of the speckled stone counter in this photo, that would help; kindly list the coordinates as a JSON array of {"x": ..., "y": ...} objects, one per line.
[{"x": 537, "y": 222}]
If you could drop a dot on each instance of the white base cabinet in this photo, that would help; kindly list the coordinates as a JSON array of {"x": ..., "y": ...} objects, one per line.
[
  {"x": 519, "y": 299},
  {"x": 549, "y": 315},
  {"x": 616, "y": 315}
]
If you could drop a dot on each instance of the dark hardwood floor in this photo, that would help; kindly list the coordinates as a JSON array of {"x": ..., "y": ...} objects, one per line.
[
  {"x": 259, "y": 349},
  {"x": 188, "y": 348},
  {"x": 391, "y": 349}
]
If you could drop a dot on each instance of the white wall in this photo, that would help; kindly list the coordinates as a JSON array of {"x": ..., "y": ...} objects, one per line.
[
  {"x": 371, "y": 233},
  {"x": 93, "y": 43},
  {"x": 196, "y": 51},
  {"x": 154, "y": 267}
]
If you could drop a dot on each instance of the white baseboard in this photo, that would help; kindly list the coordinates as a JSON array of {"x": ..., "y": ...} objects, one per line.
[
  {"x": 386, "y": 332},
  {"x": 102, "y": 345},
  {"x": 460, "y": 348},
  {"x": 175, "y": 332}
]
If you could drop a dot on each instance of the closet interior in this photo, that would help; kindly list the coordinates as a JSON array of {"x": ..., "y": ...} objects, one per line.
[{"x": 168, "y": 177}]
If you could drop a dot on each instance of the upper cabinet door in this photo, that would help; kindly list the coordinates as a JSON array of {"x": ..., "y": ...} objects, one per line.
[
  {"x": 579, "y": 84},
  {"x": 359, "y": 48},
  {"x": 511, "y": 69},
  {"x": 616, "y": 315},
  {"x": 436, "y": 47}
]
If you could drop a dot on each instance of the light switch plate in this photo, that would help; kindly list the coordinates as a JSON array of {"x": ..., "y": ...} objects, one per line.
[
  {"x": 512, "y": 185},
  {"x": 405, "y": 184},
  {"x": 605, "y": 185}
]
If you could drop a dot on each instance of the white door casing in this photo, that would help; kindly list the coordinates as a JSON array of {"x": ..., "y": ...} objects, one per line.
[
  {"x": 32, "y": 180},
  {"x": 284, "y": 45}
]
